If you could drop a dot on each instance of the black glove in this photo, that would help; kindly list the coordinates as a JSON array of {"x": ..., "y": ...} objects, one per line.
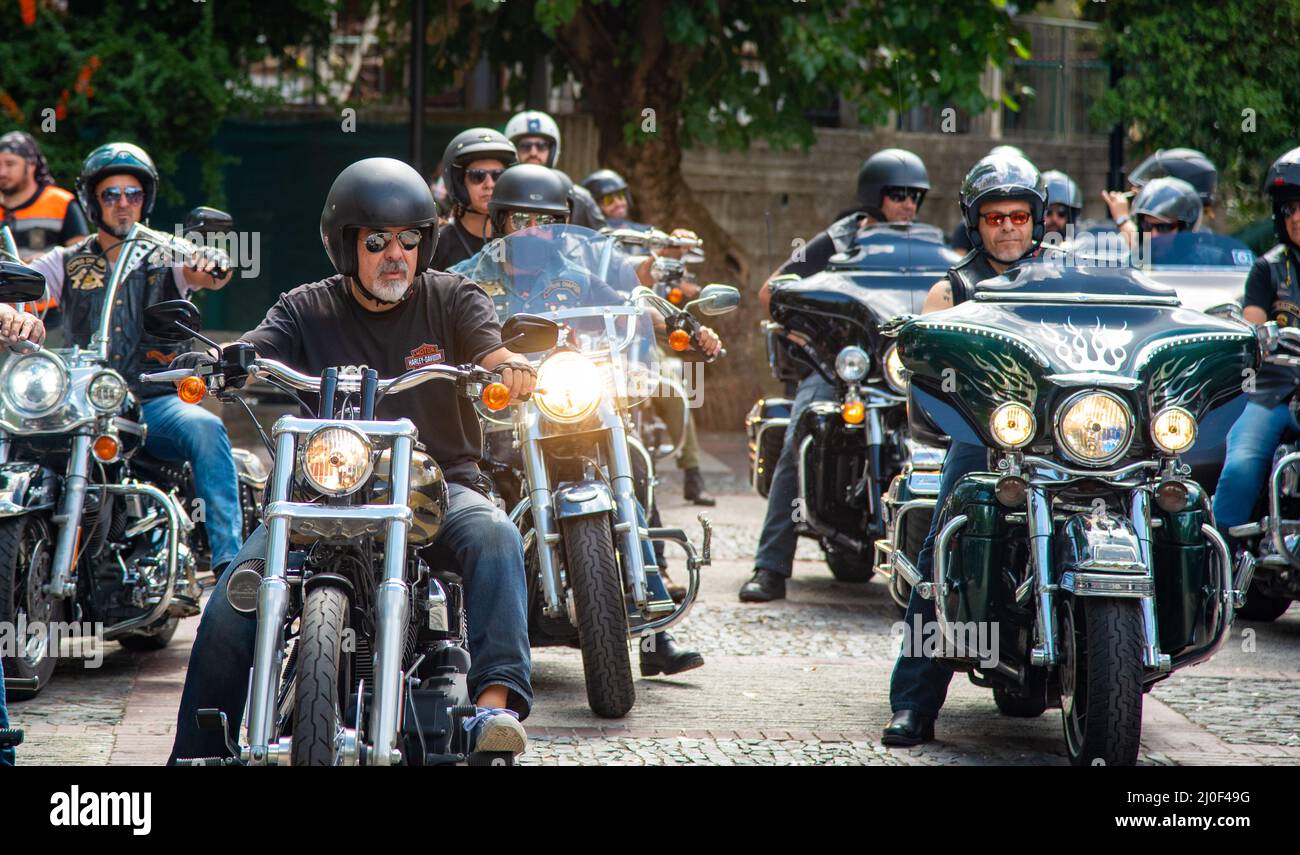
[{"x": 192, "y": 361}]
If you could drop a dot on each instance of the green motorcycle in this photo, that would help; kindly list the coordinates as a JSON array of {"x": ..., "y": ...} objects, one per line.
[{"x": 1083, "y": 567}]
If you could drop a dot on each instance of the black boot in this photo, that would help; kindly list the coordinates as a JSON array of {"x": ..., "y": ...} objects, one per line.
[
  {"x": 693, "y": 488},
  {"x": 763, "y": 586},
  {"x": 666, "y": 657},
  {"x": 907, "y": 728}
]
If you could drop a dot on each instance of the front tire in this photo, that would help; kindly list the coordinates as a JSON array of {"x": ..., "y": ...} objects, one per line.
[
  {"x": 1261, "y": 606},
  {"x": 317, "y": 711},
  {"x": 602, "y": 614},
  {"x": 849, "y": 566},
  {"x": 26, "y": 565},
  {"x": 1101, "y": 680}
]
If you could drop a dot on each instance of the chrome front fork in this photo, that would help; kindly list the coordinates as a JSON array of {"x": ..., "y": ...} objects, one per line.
[
  {"x": 69, "y": 517},
  {"x": 625, "y": 501},
  {"x": 539, "y": 502},
  {"x": 1039, "y": 519},
  {"x": 392, "y": 609},
  {"x": 1140, "y": 516}
]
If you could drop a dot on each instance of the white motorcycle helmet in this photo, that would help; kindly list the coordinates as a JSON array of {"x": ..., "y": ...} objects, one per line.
[{"x": 535, "y": 123}]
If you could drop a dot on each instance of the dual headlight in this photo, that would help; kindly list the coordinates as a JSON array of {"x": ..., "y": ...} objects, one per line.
[
  {"x": 34, "y": 385},
  {"x": 336, "y": 460},
  {"x": 570, "y": 385},
  {"x": 852, "y": 364},
  {"x": 1094, "y": 427}
]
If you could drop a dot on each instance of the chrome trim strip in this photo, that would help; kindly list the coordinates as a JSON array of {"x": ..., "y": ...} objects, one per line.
[
  {"x": 1275, "y": 507},
  {"x": 990, "y": 296}
]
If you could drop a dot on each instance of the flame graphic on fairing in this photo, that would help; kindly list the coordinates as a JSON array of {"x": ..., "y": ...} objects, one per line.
[
  {"x": 1172, "y": 383},
  {"x": 1002, "y": 378},
  {"x": 1097, "y": 349}
]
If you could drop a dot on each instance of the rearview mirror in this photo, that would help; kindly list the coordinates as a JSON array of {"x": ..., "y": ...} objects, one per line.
[
  {"x": 524, "y": 333},
  {"x": 20, "y": 283},
  {"x": 206, "y": 220},
  {"x": 717, "y": 300},
  {"x": 172, "y": 320}
]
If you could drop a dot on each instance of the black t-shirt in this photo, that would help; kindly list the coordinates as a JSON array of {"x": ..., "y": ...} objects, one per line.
[
  {"x": 1280, "y": 300},
  {"x": 455, "y": 244},
  {"x": 816, "y": 255},
  {"x": 448, "y": 319}
]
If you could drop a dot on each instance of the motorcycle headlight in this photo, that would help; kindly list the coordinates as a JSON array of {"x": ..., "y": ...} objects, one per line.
[
  {"x": 336, "y": 460},
  {"x": 35, "y": 385},
  {"x": 1174, "y": 430},
  {"x": 1094, "y": 427},
  {"x": 852, "y": 364},
  {"x": 1012, "y": 425},
  {"x": 106, "y": 391},
  {"x": 895, "y": 373},
  {"x": 570, "y": 387}
]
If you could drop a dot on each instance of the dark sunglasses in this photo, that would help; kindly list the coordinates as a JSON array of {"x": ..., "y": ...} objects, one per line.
[
  {"x": 524, "y": 219},
  {"x": 1164, "y": 228},
  {"x": 1289, "y": 210},
  {"x": 409, "y": 239},
  {"x": 1059, "y": 211},
  {"x": 898, "y": 194},
  {"x": 995, "y": 219},
  {"x": 611, "y": 198},
  {"x": 134, "y": 195},
  {"x": 478, "y": 176},
  {"x": 533, "y": 145}
]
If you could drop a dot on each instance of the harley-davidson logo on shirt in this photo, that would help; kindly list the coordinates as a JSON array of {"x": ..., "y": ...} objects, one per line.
[{"x": 425, "y": 354}]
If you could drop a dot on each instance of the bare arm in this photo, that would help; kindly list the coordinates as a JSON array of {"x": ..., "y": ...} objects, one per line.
[
  {"x": 521, "y": 381},
  {"x": 938, "y": 298}
]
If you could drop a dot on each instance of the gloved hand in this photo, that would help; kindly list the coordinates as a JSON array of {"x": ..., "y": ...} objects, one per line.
[{"x": 192, "y": 361}]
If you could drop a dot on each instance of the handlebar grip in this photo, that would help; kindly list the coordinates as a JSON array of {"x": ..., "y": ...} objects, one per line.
[
  {"x": 24, "y": 346},
  {"x": 167, "y": 376}
]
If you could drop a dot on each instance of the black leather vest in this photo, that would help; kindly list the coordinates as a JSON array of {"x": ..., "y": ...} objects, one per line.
[{"x": 967, "y": 273}]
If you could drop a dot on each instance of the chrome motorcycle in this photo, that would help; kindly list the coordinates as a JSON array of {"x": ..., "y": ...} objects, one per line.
[{"x": 93, "y": 529}]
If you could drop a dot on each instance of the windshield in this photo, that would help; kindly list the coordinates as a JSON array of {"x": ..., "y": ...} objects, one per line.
[
  {"x": 1160, "y": 251},
  {"x": 582, "y": 280}
]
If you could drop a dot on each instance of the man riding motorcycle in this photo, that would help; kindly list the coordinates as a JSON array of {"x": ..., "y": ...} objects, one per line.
[
  {"x": 530, "y": 196},
  {"x": 472, "y": 163},
  {"x": 117, "y": 187},
  {"x": 1002, "y": 202},
  {"x": 960, "y": 239},
  {"x": 1272, "y": 294},
  {"x": 387, "y": 310},
  {"x": 1064, "y": 202},
  {"x": 1186, "y": 164},
  {"x": 536, "y": 136},
  {"x": 891, "y": 187}
]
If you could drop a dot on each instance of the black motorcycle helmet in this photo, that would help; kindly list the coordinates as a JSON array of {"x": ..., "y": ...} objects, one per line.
[
  {"x": 467, "y": 147},
  {"x": 891, "y": 167},
  {"x": 376, "y": 193},
  {"x": 1003, "y": 177},
  {"x": 1061, "y": 190},
  {"x": 1185, "y": 163},
  {"x": 532, "y": 188},
  {"x": 1171, "y": 199},
  {"x": 605, "y": 181},
  {"x": 1283, "y": 185},
  {"x": 110, "y": 159}
]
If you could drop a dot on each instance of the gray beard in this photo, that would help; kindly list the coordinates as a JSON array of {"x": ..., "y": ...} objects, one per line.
[{"x": 387, "y": 291}]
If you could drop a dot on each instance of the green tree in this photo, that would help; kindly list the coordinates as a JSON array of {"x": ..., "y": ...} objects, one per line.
[
  {"x": 660, "y": 75},
  {"x": 1211, "y": 76}
]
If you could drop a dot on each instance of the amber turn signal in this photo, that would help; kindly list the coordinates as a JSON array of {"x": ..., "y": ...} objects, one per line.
[
  {"x": 675, "y": 296},
  {"x": 106, "y": 448},
  {"x": 496, "y": 396},
  {"x": 191, "y": 390},
  {"x": 853, "y": 412},
  {"x": 679, "y": 339}
]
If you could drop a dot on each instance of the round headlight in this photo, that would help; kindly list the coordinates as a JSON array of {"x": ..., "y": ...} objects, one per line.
[
  {"x": 106, "y": 391},
  {"x": 1095, "y": 427},
  {"x": 336, "y": 460},
  {"x": 35, "y": 385},
  {"x": 895, "y": 373},
  {"x": 1174, "y": 430},
  {"x": 852, "y": 364},
  {"x": 569, "y": 385},
  {"x": 1012, "y": 425}
]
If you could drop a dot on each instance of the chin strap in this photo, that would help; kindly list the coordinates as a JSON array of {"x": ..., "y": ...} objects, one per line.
[{"x": 380, "y": 300}]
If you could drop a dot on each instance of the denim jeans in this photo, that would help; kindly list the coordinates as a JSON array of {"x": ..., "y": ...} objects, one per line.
[
  {"x": 918, "y": 682},
  {"x": 178, "y": 432},
  {"x": 488, "y": 554},
  {"x": 6, "y": 754},
  {"x": 1249, "y": 460},
  {"x": 777, "y": 542}
]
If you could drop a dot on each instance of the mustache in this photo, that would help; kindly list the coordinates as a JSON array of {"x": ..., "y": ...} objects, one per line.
[{"x": 399, "y": 266}]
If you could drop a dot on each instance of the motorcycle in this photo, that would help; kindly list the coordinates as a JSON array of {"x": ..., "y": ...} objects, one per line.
[
  {"x": 350, "y": 618},
  {"x": 866, "y": 486},
  {"x": 92, "y": 527},
  {"x": 564, "y": 463},
  {"x": 1083, "y": 566}
]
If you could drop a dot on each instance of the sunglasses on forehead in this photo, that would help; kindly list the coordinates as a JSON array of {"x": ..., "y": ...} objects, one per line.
[
  {"x": 898, "y": 194},
  {"x": 133, "y": 195},
  {"x": 408, "y": 239},
  {"x": 478, "y": 176},
  {"x": 996, "y": 218}
]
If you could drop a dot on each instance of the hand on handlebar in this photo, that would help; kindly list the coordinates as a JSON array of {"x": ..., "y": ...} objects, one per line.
[
  {"x": 708, "y": 342},
  {"x": 678, "y": 248},
  {"x": 18, "y": 327},
  {"x": 520, "y": 378}
]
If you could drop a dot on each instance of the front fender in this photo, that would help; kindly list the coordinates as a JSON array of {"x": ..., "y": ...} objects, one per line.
[
  {"x": 583, "y": 499},
  {"x": 26, "y": 487}
]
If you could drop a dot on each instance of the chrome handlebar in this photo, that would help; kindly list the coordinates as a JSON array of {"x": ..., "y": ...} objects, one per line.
[{"x": 348, "y": 382}]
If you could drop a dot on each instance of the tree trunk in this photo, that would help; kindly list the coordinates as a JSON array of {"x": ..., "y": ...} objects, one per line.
[{"x": 620, "y": 92}]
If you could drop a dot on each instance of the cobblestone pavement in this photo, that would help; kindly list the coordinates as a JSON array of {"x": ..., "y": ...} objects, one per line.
[{"x": 798, "y": 682}]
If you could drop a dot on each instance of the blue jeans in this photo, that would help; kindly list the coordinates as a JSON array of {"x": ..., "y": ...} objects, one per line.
[
  {"x": 184, "y": 432},
  {"x": 777, "y": 542},
  {"x": 489, "y": 556},
  {"x": 6, "y": 754},
  {"x": 918, "y": 682},
  {"x": 1249, "y": 459}
]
